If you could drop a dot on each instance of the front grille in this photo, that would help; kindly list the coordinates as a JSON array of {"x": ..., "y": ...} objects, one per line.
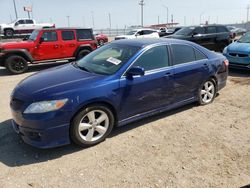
[
  {"x": 16, "y": 104},
  {"x": 238, "y": 55}
]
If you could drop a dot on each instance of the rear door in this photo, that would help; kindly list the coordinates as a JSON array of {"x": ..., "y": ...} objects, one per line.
[
  {"x": 68, "y": 43},
  {"x": 211, "y": 36},
  {"x": 49, "y": 48},
  {"x": 190, "y": 70}
]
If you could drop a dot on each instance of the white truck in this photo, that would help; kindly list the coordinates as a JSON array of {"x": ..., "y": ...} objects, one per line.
[{"x": 22, "y": 26}]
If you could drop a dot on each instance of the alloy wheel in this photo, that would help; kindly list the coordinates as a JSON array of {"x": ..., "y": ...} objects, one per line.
[{"x": 207, "y": 92}]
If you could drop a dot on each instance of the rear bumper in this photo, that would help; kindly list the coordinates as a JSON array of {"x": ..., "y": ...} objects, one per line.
[{"x": 43, "y": 138}]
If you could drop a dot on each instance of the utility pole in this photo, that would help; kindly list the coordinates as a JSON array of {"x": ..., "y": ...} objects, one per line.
[
  {"x": 141, "y": 3},
  {"x": 172, "y": 19},
  {"x": 68, "y": 20},
  {"x": 93, "y": 20},
  {"x": 14, "y": 2},
  {"x": 110, "y": 25},
  {"x": 158, "y": 20},
  {"x": 167, "y": 11},
  {"x": 248, "y": 7}
]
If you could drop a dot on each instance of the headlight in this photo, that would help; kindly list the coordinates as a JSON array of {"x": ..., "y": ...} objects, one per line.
[
  {"x": 45, "y": 106},
  {"x": 225, "y": 50}
]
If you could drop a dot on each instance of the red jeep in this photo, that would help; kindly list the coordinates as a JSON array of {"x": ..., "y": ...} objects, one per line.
[{"x": 47, "y": 45}]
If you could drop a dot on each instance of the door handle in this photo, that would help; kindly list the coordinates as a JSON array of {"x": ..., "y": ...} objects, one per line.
[
  {"x": 167, "y": 74},
  {"x": 72, "y": 45},
  {"x": 56, "y": 46}
]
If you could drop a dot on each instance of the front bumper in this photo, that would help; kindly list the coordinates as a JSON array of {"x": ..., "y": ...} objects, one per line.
[
  {"x": 238, "y": 62},
  {"x": 43, "y": 138}
]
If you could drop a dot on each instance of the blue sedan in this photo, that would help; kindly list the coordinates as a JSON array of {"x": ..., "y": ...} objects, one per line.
[
  {"x": 119, "y": 83},
  {"x": 238, "y": 53}
]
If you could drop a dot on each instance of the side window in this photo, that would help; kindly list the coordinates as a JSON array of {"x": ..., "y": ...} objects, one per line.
[
  {"x": 147, "y": 32},
  {"x": 68, "y": 35},
  {"x": 140, "y": 33},
  {"x": 211, "y": 30},
  {"x": 49, "y": 36},
  {"x": 19, "y": 22},
  {"x": 222, "y": 29},
  {"x": 182, "y": 54},
  {"x": 199, "y": 55},
  {"x": 84, "y": 34},
  {"x": 199, "y": 30},
  {"x": 29, "y": 22},
  {"x": 154, "y": 58}
]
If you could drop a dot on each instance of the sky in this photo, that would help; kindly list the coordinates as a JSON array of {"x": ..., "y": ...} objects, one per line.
[{"x": 124, "y": 13}]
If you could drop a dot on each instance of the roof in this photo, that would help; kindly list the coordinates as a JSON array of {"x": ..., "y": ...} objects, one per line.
[
  {"x": 64, "y": 28},
  {"x": 146, "y": 42}
]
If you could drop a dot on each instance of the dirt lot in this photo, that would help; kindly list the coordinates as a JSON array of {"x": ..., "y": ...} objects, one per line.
[{"x": 194, "y": 146}]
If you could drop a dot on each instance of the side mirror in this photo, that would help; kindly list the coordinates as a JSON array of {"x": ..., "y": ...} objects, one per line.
[
  {"x": 41, "y": 40},
  {"x": 135, "y": 71},
  {"x": 16, "y": 24}
]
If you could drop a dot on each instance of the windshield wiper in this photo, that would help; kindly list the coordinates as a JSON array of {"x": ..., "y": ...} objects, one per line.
[{"x": 79, "y": 67}]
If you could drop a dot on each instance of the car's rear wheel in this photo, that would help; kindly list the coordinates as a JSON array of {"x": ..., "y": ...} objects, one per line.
[
  {"x": 82, "y": 53},
  {"x": 207, "y": 92},
  {"x": 9, "y": 33},
  {"x": 92, "y": 125},
  {"x": 16, "y": 64}
]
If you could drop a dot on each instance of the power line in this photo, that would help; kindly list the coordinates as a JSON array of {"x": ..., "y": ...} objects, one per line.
[{"x": 141, "y": 3}]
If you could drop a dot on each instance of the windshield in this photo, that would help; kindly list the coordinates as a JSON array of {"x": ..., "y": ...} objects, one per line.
[
  {"x": 186, "y": 31},
  {"x": 108, "y": 59},
  {"x": 245, "y": 38},
  {"x": 131, "y": 32},
  {"x": 33, "y": 35}
]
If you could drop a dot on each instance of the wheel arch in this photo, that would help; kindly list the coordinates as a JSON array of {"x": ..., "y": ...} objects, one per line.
[
  {"x": 22, "y": 52},
  {"x": 100, "y": 103},
  {"x": 82, "y": 47}
]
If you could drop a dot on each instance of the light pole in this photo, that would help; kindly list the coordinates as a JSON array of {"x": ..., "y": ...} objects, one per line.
[
  {"x": 110, "y": 25},
  {"x": 93, "y": 20},
  {"x": 201, "y": 17},
  {"x": 68, "y": 20},
  {"x": 141, "y": 3},
  {"x": 167, "y": 11},
  {"x": 14, "y": 2}
]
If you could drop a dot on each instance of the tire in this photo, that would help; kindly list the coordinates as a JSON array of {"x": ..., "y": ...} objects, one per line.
[
  {"x": 86, "y": 131},
  {"x": 82, "y": 53},
  {"x": 207, "y": 92},
  {"x": 9, "y": 33},
  {"x": 16, "y": 64},
  {"x": 101, "y": 42}
]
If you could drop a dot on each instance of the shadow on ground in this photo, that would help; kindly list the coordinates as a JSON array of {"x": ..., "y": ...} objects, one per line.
[
  {"x": 14, "y": 152},
  {"x": 32, "y": 68}
]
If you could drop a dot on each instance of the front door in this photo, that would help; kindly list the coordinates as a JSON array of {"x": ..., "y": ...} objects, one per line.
[
  {"x": 49, "y": 48},
  {"x": 151, "y": 91}
]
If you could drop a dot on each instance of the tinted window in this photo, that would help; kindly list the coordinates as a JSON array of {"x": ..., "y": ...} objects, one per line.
[
  {"x": 182, "y": 54},
  {"x": 84, "y": 34},
  {"x": 20, "y": 22},
  {"x": 211, "y": 30},
  {"x": 147, "y": 32},
  {"x": 199, "y": 30},
  {"x": 186, "y": 31},
  {"x": 222, "y": 29},
  {"x": 199, "y": 55},
  {"x": 49, "y": 36},
  {"x": 153, "y": 58},
  {"x": 29, "y": 22},
  {"x": 68, "y": 35}
]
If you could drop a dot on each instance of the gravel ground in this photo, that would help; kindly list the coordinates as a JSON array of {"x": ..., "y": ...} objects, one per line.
[{"x": 193, "y": 146}]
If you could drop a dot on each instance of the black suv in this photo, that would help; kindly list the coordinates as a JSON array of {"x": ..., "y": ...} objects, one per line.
[{"x": 213, "y": 37}]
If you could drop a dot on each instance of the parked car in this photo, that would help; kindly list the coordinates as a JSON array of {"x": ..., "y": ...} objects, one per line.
[
  {"x": 22, "y": 26},
  {"x": 101, "y": 39},
  {"x": 139, "y": 33},
  {"x": 213, "y": 37},
  {"x": 236, "y": 31},
  {"x": 47, "y": 45},
  {"x": 118, "y": 83},
  {"x": 238, "y": 53},
  {"x": 171, "y": 31},
  {"x": 161, "y": 31}
]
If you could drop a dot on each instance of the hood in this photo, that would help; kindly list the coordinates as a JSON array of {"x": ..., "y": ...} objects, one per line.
[
  {"x": 6, "y": 25},
  {"x": 55, "y": 81},
  {"x": 239, "y": 47},
  {"x": 17, "y": 45}
]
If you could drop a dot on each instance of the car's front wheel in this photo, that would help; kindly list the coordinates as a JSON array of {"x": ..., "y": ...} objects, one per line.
[
  {"x": 207, "y": 92},
  {"x": 92, "y": 125}
]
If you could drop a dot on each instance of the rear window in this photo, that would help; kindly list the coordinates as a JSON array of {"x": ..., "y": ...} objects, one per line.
[
  {"x": 222, "y": 29},
  {"x": 84, "y": 34},
  {"x": 68, "y": 35},
  {"x": 182, "y": 54}
]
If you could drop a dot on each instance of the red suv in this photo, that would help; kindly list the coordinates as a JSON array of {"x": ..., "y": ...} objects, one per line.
[{"x": 47, "y": 45}]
